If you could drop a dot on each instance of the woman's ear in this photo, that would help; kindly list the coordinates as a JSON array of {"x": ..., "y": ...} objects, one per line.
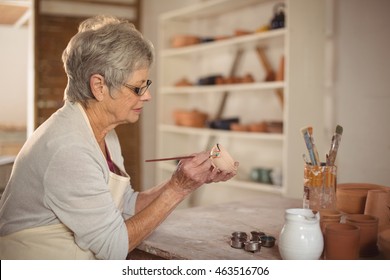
[{"x": 97, "y": 84}]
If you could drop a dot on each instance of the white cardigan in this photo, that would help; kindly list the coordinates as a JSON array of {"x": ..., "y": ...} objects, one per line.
[{"x": 61, "y": 176}]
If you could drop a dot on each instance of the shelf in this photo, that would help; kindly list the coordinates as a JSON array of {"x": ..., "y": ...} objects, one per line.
[
  {"x": 265, "y": 38},
  {"x": 169, "y": 167},
  {"x": 208, "y": 9},
  {"x": 223, "y": 88},
  {"x": 303, "y": 90},
  {"x": 220, "y": 133}
]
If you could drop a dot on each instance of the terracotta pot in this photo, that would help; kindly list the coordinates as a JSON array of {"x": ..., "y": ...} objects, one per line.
[
  {"x": 329, "y": 216},
  {"x": 192, "y": 118},
  {"x": 342, "y": 242},
  {"x": 274, "y": 126},
  {"x": 351, "y": 197},
  {"x": 384, "y": 243},
  {"x": 184, "y": 82},
  {"x": 378, "y": 205},
  {"x": 239, "y": 127},
  {"x": 368, "y": 233},
  {"x": 179, "y": 41},
  {"x": 248, "y": 78},
  {"x": 258, "y": 127}
]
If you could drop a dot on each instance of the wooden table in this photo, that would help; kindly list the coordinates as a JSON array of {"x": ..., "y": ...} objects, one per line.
[{"x": 203, "y": 233}]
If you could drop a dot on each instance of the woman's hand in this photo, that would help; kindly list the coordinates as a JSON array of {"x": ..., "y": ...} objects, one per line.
[
  {"x": 192, "y": 173},
  {"x": 155, "y": 204}
]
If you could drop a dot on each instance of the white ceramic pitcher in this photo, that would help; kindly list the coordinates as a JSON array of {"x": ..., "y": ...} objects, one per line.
[{"x": 301, "y": 237}]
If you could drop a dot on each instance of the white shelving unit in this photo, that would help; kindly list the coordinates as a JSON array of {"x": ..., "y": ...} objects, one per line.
[{"x": 300, "y": 42}]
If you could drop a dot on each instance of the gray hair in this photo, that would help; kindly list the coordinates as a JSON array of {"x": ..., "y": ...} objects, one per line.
[{"x": 107, "y": 46}]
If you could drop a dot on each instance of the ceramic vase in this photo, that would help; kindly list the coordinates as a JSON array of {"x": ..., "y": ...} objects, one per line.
[
  {"x": 301, "y": 237},
  {"x": 378, "y": 205},
  {"x": 368, "y": 233},
  {"x": 342, "y": 242}
]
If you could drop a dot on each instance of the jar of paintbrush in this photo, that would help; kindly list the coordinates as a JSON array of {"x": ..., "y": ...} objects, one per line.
[
  {"x": 320, "y": 178},
  {"x": 319, "y": 183}
]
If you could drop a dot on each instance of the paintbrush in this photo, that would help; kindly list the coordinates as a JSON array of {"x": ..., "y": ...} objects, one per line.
[
  {"x": 168, "y": 158},
  {"x": 336, "y": 138},
  {"x": 213, "y": 154},
  {"x": 315, "y": 151},
  {"x": 309, "y": 145}
]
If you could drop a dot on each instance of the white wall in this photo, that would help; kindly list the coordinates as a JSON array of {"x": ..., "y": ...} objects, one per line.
[
  {"x": 13, "y": 75},
  {"x": 362, "y": 88}
]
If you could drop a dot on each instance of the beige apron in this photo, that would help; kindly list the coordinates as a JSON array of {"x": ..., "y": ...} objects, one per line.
[{"x": 55, "y": 241}]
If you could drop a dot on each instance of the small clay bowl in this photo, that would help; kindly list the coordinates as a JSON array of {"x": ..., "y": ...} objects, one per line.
[
  {"x": 179, "y": 41},
  {"x": 239, "y": 127},
  {"x": 193, "y": 118},
  {"x": 258, "y": 127},
  {"x": 274, "y": 126}
]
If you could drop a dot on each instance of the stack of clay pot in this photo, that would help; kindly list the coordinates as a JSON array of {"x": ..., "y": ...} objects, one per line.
[
  {"x": 366, "y": 206},
  {"x": 328, "y": 217},
  {"x": 342, "y": 242},
  {"x": 368, "y": 226},
  {"x": 351, "y": 197},
  {"x": 384, "y": 242},
  {"x": 378, "y": 205}
]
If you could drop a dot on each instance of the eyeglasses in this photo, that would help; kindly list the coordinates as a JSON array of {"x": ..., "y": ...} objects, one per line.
[{"x": 139, "y": 91}]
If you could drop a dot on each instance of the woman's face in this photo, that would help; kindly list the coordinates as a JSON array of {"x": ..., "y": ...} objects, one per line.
[{"x": 126, "y": 106}]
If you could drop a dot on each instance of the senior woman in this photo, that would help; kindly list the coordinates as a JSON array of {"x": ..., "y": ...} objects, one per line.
[{"x": 69, "y": 196}]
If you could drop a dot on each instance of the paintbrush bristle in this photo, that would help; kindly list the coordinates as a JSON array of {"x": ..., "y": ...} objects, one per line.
[
  {"x": 339, "y": 129},
  {"x": 304, "y": 129}
]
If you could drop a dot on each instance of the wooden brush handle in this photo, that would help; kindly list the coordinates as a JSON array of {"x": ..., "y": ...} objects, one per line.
[{"x": 168, "y": 158}]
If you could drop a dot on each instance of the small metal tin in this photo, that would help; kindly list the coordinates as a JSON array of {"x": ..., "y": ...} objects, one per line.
[
  {"x": 237, "y": 243},
  {"x": 252, "y": 246},
  {"x": 239, "y": 234},
  {"x": 255, "y": 235},
  {"x": 268, "y": 241}
]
